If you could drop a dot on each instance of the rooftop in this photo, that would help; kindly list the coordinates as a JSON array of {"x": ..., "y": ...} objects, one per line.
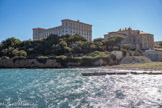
[
  {"x": 76, "y": 21},
  {"x": 143, "y": 33},
  {"x": 38, "y": 28}
]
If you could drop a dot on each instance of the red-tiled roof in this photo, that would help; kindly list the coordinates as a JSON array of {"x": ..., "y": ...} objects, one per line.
[
  {"x": 143, "y": 33},
  {"x": 38, "y": 28}
]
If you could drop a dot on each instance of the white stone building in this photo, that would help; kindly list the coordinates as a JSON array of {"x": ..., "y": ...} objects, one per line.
[{"x": 68, "y": 27}]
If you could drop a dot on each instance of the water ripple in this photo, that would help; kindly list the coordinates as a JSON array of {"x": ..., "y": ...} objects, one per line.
[{"x": 63, "y": 88}]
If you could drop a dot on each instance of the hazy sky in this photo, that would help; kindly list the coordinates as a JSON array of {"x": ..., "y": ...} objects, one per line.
[{"x": 18, "y": 17}]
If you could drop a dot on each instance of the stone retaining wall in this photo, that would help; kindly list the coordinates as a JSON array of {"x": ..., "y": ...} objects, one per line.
[{"x": 47, "y": 63}]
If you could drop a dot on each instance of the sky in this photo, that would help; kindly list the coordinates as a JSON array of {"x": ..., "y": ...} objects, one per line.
[{"x": 18, "y": 17}]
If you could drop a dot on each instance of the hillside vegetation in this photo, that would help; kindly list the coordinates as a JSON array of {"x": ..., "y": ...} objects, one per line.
[{"x": 59, "y": 47}]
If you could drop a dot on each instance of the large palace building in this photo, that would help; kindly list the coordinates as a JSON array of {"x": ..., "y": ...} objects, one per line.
[
  {"x": 135, "y": 39},
  {"x": 68, "y": 27}
]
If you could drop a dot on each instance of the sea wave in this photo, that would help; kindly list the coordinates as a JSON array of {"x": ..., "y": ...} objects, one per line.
[{"x": 63, "y": 88}]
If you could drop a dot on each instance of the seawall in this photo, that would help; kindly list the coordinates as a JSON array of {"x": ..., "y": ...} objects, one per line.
[{"x": 52, "y": 63}]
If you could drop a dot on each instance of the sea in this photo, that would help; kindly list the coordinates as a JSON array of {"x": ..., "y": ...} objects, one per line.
[{"x": 67, "y": 88}]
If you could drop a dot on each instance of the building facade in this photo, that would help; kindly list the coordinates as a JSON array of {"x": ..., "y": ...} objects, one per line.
[
  {"x": 135, "y": 39},
  {"x": 68, "y": 27}
]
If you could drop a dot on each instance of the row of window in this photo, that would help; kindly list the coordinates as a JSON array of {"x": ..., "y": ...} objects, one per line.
[
  {"x": 75, "y": 25},
  {"x": 41, "y": 37},
  {"x": 64, "y": 32},
  {"x": 46, "y": 35},
  {"x": 35, "y": 31}
]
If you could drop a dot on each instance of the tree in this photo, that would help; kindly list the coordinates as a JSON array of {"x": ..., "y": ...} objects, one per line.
[
  {"x": 52, "y": 39},
  {"x": 22, "y": 53},
  {"x": 57, "y": 49},
  {"x": 64, "y": 47},
  {"x": 109, "y": 43},
  {"x": 118, "y": 40},
  {"x": 160, "y": 43},
  {"x": 10, "y": 42},
  {"x": 88, "y": 47},
  {"x": 125, "y": 46},
  {"x": 99, "y": 43},
  {"x": 7, "y": 52},
  {"x": 15, "y": 52},
  {"x": 76, "y": 38},
  {"x": 76, "y": 48},
  {"x": 113, "y": 41},
  {"x": 63, "y": 43}
]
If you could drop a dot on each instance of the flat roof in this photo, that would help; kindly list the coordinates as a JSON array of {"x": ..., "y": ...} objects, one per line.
[{"x": 76, "y": 21}]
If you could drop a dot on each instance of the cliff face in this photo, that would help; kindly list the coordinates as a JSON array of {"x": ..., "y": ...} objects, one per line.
[{"x": 49, "y": 63}]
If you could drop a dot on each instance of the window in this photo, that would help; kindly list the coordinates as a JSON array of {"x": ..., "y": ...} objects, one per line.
[
  {"x": 66, "y": 29},
  {"x": 66, "y": 24}
]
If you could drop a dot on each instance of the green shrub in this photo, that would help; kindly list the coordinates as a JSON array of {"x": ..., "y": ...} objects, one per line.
[
  {"x": 138, "y": 50},
  {"x": 5, "y": 57},
  {"x": 124, "y": 53},
  {"x": 97, "y": 54},
  {"x": 125, "y": 46},
  {"x": 19, "y": 57},
  {"x": 42, "y": 57},
  {"x": 52, "y": 56},
  {"x": 160, "y": 43},
  {"x": 61, "y": 57},
  {"x": 115, "y": 48},
  {"x": 77, "y": 58},
  {"x": 93, "y": 54},
  {"x": 22, "y": 53},
  {"x": 69, "y": 55},
  {"x": 88, "y": 61}
]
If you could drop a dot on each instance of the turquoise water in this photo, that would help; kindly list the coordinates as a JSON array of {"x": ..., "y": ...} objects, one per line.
[{"x": 67, "y": 88}]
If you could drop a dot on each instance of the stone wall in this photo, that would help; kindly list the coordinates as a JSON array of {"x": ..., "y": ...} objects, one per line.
[
  {"x": 49, "y": 63},
  {"x": 29, "y": 63}
]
